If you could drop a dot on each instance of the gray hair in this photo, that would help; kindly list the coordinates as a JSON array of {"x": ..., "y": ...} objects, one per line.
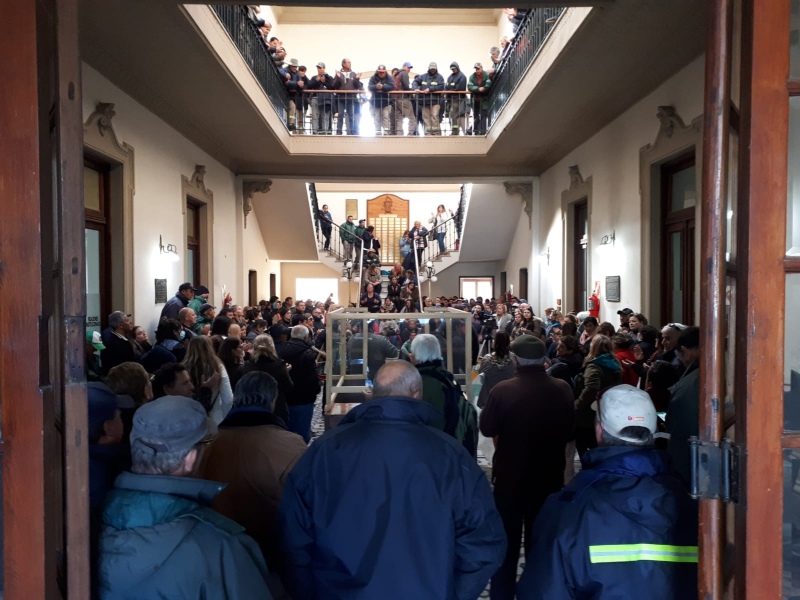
[
  {"x": 642, "y": 435},
  {"x": 494, "y": 49},
  {"x": 527, "y": 362},
  {"x": 183, "y": 312},
  {"x": 425, "y": 348},
  {"x": 396, "y": 378},
  {"x": 389, "y": 325},
  {"x": 299, "y": 332},
  {"x": 115, "y": 319},
  {"x": 264, "y": 345},
  {"x": 256, "y": 389},
  {"x": 145, "y": 461}
]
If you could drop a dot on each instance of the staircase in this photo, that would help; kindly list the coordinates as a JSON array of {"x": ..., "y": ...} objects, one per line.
[{"x": 336, "y": 255}]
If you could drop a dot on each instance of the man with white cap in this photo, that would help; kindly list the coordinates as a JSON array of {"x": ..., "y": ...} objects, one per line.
[
  {"x": 430, "y": 82},
  {"x": 624, "y": 525},
  {"x": 160, "y": 538}
]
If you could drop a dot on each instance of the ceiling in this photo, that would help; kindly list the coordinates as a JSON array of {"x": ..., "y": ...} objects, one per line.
[
  {"x": 294, "y": 13},
  {"x": 621, "y": 52}
]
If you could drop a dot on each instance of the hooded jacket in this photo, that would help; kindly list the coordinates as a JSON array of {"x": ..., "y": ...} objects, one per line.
[
  {"x": 386, "y": 506},
  {"x": 457, "y": 82},
  {"x": 623, "y": 528},
  {"x": 599, "y": 374},
  {"x": 160, "y": 540}
]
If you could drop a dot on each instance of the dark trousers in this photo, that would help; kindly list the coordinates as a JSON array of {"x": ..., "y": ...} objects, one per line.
[
  {"x": 326, "y": 233},
  {"x": 585, "y": 439},
  {"x": 420, "y": 251},
  {"x": 518, "y": 512}
]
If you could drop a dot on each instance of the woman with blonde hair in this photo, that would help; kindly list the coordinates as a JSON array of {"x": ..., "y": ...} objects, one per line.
[
  {"x": 601, "y": 370},
  {"x": 265, "y": 358},
  {"x": 202, "y": 364}
]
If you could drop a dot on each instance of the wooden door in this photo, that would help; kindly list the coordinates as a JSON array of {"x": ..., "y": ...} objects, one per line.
[
  {"x": 42, "y": 391},
  {"x": 389, "y": 215},
  {"x": 580, "y": 266},
  {"x": 252, "y": 287}
]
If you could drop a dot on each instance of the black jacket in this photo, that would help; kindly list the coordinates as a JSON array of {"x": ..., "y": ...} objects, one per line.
[
  {"x": 174, "y": 306},
  {"x": 118, "y": 351},
  {"x": 304, "y": 371},
  {"x": 277, "y": 369}
]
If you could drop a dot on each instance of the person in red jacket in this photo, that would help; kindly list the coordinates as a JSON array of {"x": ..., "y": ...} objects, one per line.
[{"x": 623, "y": 350}]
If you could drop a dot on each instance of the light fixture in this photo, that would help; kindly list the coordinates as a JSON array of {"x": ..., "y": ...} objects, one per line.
[
  {"x": 608, "y": 240},
  {"x": 545, "y": 256},
  {"x": 430, "y": 274},
  {"x": 171, "y": 250}
]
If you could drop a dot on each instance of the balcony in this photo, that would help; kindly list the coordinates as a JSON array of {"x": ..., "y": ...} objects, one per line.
[
  {"x": 180, "y": 62},
  {"x": 324, "y": 111}
]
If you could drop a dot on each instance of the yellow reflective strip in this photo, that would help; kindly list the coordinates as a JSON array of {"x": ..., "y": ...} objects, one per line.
[{"x": 639, "y": 552}]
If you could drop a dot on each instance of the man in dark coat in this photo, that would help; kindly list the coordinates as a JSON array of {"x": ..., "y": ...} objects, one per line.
[
  {"x": 533, "y": 418},
  {"x": 299, "y": 353},
  {"x": 380, "y": 84},
  {"x": 180, "y": 300},
  {"x": 683, "y": 413},
  {"x": 457, "y": 103},
  {"x": 430, "y": 83},
  {"x": 443, "y": 524},
  {"x": 118, "y": 347},
  {"x": 325, "y": 224},
  {"x": 322, "y": 105},
  {"x": 624, "y": 527}
]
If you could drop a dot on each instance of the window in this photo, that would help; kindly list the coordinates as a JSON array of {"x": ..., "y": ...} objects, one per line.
[
  {"x": 97, "y": 235},
  {"x": 472, "y": 287},
  {"x": 317, "y": 289},
  {"x": 193, "y": 237}
]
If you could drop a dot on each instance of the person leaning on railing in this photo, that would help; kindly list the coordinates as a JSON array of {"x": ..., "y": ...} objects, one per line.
[
  {"x": 404, "y": 106},
  {"x": 322, "y": 105},
  {"x": 429, "y": 83},
  {"x": 457, "y": 103},
  {"x": 479, "y": 86},
  {"x": 380, "y": 84}
]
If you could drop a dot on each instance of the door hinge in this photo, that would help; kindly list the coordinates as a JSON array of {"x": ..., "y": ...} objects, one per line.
[{"x": 715, "y": 470}]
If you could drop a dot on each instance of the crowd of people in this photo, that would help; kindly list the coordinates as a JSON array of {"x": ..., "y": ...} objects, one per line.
[
  {"x": 203, "y": 483},
  {"x": 395, "y": 96}
]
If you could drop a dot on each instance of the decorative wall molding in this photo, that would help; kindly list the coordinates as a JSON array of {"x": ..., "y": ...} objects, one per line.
[
  {"x": 674, "y": 139},
  {"x": 101, "y": 141},
  {"x": 575, "y": 177},
  {"x": 249, "y": 189},
  {"x": 197, "y": 183},
  {"x": 524, "y": 190}
]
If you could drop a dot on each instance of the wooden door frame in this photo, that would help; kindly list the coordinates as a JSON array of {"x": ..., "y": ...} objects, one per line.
[
  {"x": 252, "y": 290},
  {"x": 584, "y": 205},
  {"x": 42, "y": 389},
  {"x": 761, "y": 245}
]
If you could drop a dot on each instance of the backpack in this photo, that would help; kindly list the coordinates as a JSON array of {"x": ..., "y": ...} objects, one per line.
[{"x": 460, "y": 417}]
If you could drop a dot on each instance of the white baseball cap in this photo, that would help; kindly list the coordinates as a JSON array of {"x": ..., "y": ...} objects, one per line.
[{"x": 625, "y": 406}]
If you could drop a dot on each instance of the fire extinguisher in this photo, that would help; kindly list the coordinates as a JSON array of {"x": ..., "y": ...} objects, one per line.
[{"x": 594, "y": 301}]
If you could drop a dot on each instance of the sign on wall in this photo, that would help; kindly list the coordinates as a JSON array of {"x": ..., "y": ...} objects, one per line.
[
  {"x": 161, "y": 291},
  {"x": 612, "y": 288}
]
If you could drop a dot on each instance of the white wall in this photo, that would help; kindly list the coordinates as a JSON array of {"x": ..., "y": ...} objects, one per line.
[
  {"x": 255, "y": 259},
  {"x": 448, "y": 280},
  {"x": 611, "y": 159},
  {"x": 368, "y": 45},
  {"x": 161, "y": 157}
]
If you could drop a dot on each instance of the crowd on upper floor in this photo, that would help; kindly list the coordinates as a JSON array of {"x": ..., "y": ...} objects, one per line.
[
  {"x": 203, "y": 484},
  {"x": 395, "y": 96}
]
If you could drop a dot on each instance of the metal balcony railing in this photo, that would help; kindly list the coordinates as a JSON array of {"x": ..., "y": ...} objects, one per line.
[{"x": 327, "y": 112}]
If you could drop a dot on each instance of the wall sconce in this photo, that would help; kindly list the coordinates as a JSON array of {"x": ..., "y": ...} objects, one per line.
[
  {"x": 171, "y": 250},
  {"x": 608, "y": 240},
  {"x": 545, "y": 256}
]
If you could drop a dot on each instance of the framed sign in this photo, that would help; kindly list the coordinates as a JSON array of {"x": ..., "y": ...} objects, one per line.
[
  {"x": 612, "y": 289},
  {"x": 161, "y": 291}
]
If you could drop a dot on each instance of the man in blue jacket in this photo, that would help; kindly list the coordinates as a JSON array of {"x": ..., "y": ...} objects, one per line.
[
  {"x": 380, "y": 84},
  {"x": 159, "y": 537},
  {"x": 386, "y": 506},
  {"x": 430, "y": 83},
  {"x": 624, "y": 527}
]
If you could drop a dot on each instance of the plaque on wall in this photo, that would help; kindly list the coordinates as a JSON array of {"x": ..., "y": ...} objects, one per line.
[
  {"x": 612, "y": 289},
  {"x": 161, "y": 291}
]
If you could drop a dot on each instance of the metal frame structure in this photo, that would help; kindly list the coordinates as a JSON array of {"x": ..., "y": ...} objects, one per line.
[{"x": 343, "y": 382}]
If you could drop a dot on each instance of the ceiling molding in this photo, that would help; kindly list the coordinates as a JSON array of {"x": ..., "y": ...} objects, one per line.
[{"x": 309, "y": 15}]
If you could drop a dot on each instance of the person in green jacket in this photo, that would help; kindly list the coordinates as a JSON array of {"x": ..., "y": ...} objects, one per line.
[
  {"x": 479, "y": 85},
  {"x": 360, "y": 229},
  {"x": 601, "y": 370},
  {"x": 160, "y": 538},
  {"x": 200, "y": 298},
  {"x": 347, "y": 232}
]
